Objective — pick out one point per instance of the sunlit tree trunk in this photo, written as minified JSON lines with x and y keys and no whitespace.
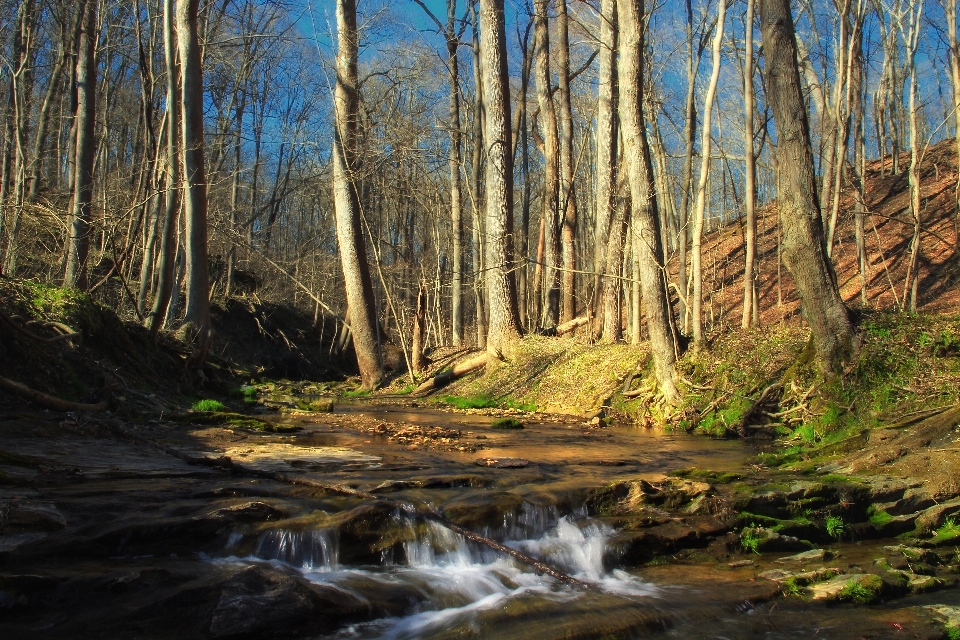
{"x":551,"y":167}
{"x":695,"y":262}
{"x":353,"y":253}
{"x":950,"y":9}
{"x":504,"y":327}
{"x":749,"y":318}
{"x":568,"y":197}
{"x":607,"y":136}
{"x":456,"y":199}
{"x":801,"y":223}
{"x":637,"y":163}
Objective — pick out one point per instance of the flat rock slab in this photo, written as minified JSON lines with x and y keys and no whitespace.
{"x":814,"y":555}
{"x":503,"y":463}
{"x":282,"y":457}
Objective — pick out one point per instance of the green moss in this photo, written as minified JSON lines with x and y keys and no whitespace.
{"x":356,"y":393}
{"x":716,"y":477}
{"x":470,"y":402}
{"x":506,"y":423}
{"x":866,"y":590}
{"x":878,"y":517}
{"x":208,"y":405}
{"x":949,"y":531}
{"x":17,"y":460}
{"x":233,"y":419}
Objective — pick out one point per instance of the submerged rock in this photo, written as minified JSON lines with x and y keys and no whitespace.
{"x":260,"y":603}
{"x":503,"y":463}
{"x":806,"y":556}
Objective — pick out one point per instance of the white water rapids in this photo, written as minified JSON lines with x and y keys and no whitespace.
{"x":455,"y":580}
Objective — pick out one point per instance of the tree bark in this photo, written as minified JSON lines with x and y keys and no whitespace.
{"x":168,"y":240}
{"x":85,"y":123}
{"x":636,"y":152}
{"x":950,"y":9}
{"x":353,"y":253}
{"x":197,"y":316}
{"x":456,"y":199}
{"x":504,"y":327}
{"x":607,"y":136}
{"x":801,"y":222}
{"x":749,"y":318}
{"x":698,"y":213}
{"x":551,"y":168}
{"x":568,"y":196}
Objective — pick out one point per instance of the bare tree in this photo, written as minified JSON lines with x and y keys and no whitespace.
{"x":803,"y":251}
{"x":353,"y":253}
{"x":79,"y":243}
{"x":568,"y":197}
{"x":636,"y":153}
{"x":504,"y":316}
{"x":607,"y":136}
{"x":751,"y":305}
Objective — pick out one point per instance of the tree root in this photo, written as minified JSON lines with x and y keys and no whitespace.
{"x":407,"y":509}
{"x":446,"y":377}
{"x":67,"y":332}
{"x":51,"y":402}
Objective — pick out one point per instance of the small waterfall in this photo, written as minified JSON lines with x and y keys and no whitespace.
{"x":309,"y":550}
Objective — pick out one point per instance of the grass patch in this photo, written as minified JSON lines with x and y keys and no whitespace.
{"x":233,"y":420}
{"x":470,"y":402}
{"x":247,"y":394}
{"x":356,"y":393}
{"x":506,"y":423}
{"x":864,"y":591}
{"x":949,"y":531}
{"x":835,"y":527}
{"x":406,"y":390}
{"x":750,"y":539}
{"x":208,"y":405}
{"x":878,"y":517}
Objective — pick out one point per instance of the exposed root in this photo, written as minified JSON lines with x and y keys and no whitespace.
{"x":51,"y":402}
{"x":66,"y":333}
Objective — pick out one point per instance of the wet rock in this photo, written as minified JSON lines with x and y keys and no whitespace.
{"x":860,"y":588}
{"x":634,"y":548}
{"x":914,"y":554}
{"x":364,"y":533}
{"x":936,"y":516}
{"x":764,"y":540}
{"x":630,"y":497}
{"x":489,"y":509}
{"x":260,"y":603}
{"x":21,"y":591}
{"x":807,"y":556}
{"x":22,"y":517}
{"x":250,"y":512}
{"x":503,"y":463}
{"x":915,"y":583}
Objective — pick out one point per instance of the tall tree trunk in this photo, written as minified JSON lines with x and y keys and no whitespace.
{"x":749,"y":319}
{"x":613,"y":280}
{"x":689,"y":138}
{"x":607,"y":136}
{"x":197,"y":316}
{"x":910,"y":33}
{"x":636,"y":153}
{"x":696,"y":257}
{"x":504,"y":327}
{"x":568,"y":196}
{"x":479,"y":287}
{"x":551,"y":167}
{"x":166,"y":280}
{"x":803,"y":253}
{"x":353,"y":253}
{"x":85,"y":123}
{"x":950,"y":9}
{"x":456,"y":199}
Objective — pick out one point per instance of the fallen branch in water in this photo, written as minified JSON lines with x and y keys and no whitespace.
{"x":51,"y":402}
{"x":406,"y":508}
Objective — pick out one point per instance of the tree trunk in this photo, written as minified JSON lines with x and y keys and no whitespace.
{"x":613,"y":281}
{"x":802,"y":225}
{"x":750,"y":192}
{"x":477,"y":231}
{"x":698,"y":213}
{"x":636,"y":153}
{"x":607,"y":136}
{"x":551,"y":168}
{"x":353,"y":253}
{"x":504,"y":327}
{"x":197,"y":316}
{"x":416,"y":344}
{"x":456,"y":213}
{"x":568,"y":198}
{"x":950,"y":9}
{"x":85,"y":123}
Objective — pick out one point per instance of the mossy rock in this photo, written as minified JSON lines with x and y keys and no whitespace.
{"x":506,"y":423}
{"x":235,"y":420}
{"x":860,"y":588}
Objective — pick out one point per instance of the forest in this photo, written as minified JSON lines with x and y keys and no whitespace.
{"x":479,"y":318}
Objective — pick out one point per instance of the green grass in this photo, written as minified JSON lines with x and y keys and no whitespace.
{"x":471,"y":402}
{"x":408,"y":389}
{"x":750,"y":539}
{"x":208,"y":405}
{"x":247,"y":394}
{"x":866,"y":591}
{"x":835,"y":527}
{"x":356,"y":393}
{"x":953,"y":633}
{"x":506,"y":423}
{"x":529,"y":407}
{"x":879,"y":517}
{"x":949,"y":531}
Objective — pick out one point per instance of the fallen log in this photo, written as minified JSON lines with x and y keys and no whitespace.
{"x":444,"y":378}
{"x":406,"y":508}
{"x":570,"y":325}
{"x":48,"y":401}
{"x":68,"y":333}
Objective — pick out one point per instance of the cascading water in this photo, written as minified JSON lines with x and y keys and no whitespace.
{"x":457,"y":580}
